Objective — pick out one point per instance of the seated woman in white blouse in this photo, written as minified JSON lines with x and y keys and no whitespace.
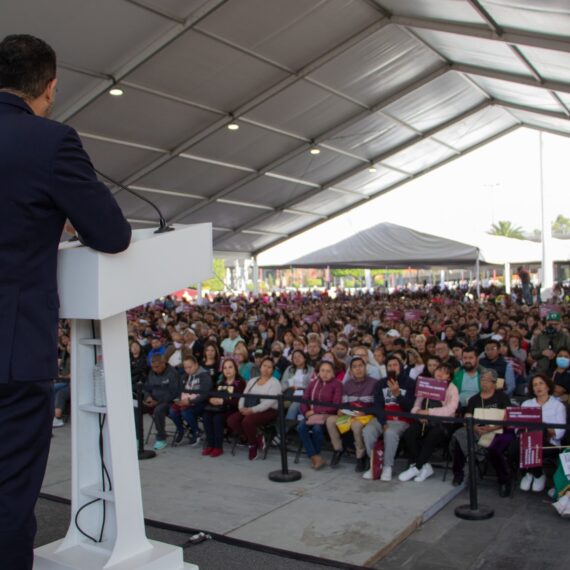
{"x":553,"y":411}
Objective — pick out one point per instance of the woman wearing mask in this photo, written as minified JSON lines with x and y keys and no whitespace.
{"x":324,"y":388}
{"x":561,"y":376}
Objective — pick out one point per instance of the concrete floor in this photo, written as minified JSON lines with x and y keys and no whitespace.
{"x":332,"y":514}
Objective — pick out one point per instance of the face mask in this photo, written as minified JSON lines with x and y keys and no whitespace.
{"x":143,"y":341}
{"x":177,"y":345}
{"x":550,"y":330}
{"x":562,"y":362}
{"x":275,"y":353}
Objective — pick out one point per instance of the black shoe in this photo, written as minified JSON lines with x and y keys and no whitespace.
{"x":194,"y":439}
{"x":336,"y":458}
{"x":360,"y":465}
{"x":457,"y":479}
{"x":504,"y":490}
{"x":178,"y":437}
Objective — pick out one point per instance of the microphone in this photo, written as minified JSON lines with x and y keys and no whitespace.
{"x":163,"y":226}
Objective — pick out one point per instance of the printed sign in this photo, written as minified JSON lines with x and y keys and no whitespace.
{"x":412,"y":315}
{"x":533,"y":415}
{"x":431,"y":388}
{"x":392,"y":315}
{"x":545,"y":309}
{"x":531,"y":449}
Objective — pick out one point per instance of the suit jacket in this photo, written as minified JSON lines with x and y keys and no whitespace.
{"x":45,"y":177}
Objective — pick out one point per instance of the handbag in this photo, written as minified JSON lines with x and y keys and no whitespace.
{"x":251,"y":401}
{"x":317,"y":419}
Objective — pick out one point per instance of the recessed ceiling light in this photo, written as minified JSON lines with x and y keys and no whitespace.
{"x":315,"y":150}
{"x":233,"y":126}
{"x":372,"y":169}
{"x":116,"y":92}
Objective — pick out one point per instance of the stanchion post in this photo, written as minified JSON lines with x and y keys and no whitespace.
{"x":283,"y":476}
{"x":473,"y":511}
{"x":142,"y":452}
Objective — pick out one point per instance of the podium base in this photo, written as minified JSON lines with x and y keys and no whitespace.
{"x":280,"y":477}
{"x":95,"y":557}
{"x":482,"y":513}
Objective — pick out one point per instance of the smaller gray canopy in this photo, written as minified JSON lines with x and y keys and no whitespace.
{"x":389,"y":245}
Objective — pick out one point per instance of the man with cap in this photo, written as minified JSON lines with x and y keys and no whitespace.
{"x":546,"y":345}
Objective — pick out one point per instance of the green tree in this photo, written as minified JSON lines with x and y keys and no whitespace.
{"x":216,"y":283}
{"x":506,"y":229}
{"x":561,"y":225}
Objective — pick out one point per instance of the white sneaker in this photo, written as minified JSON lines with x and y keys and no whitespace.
{"x":367,"y":474}
{"x":539,"y":484}
{"x":57,"y":422}
{"x":526,"y":482}
{"x":386,"y":474}
{"x":409,"y":473}
{"x":562,"y":506}
{"x":425,"y":472}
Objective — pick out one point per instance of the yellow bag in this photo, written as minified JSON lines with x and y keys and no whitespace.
{"x":344,"y":422}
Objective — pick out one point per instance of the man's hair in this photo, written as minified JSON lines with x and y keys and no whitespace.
{"x":27,"y":65}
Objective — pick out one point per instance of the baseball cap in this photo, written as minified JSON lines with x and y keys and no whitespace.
{"x":553,"y":317}
{"x":393,"y":333}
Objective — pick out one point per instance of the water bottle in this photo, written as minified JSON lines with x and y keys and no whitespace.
{"x":99,"y":396}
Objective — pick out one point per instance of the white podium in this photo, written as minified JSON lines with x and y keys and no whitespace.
{"x":95,"y":290}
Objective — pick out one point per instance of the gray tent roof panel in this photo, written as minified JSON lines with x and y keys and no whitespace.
{"x":318,"y":169}
{"x":284,"y":32}
{"x":389,"y":245}
{"x":371,"y":136}
{"x":191,"y":177}
{"x":267,"y":191}
{"x":405,"y":84}
{"x":304,"y":109}
{"x":117,"y":160}
{"x":325,"y":203}
{"x":380,"y":64}
{"x":450,"y":10}
{"x":207,"y":71}
{"x":166,"y":124}
{"x":252,"y":146}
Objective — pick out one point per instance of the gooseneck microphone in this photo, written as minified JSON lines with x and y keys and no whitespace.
{"x":163,"y":226}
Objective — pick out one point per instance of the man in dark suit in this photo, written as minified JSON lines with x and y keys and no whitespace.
{"x":45,"y":178}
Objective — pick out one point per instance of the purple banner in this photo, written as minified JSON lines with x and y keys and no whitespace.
{"x":531,"y":449}
{"x":545,"y":309}
{"x":431,"y":388}
{"x":412,"y":315}
{"x":524,"y":414}
{"x":392,"y":315}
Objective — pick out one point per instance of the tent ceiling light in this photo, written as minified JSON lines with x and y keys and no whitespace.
{"x":116,"y":92}
{"x":233,"y":126}
{"x":315,"y":150}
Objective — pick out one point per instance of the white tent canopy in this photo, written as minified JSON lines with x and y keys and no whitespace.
{"x":386,"y":90}
{"x":391,"y":245}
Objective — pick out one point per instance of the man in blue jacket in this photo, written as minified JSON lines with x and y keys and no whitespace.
{"x":394,"y":393}
{"x":45,"y":178}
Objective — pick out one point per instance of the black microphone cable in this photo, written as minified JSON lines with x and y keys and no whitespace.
{"x":163,"y":226}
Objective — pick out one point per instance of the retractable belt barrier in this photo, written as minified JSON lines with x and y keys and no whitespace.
{"x":472,"y":511}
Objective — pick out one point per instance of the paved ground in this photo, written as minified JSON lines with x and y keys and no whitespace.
{"x":332,"y":514}
{"x":525,"y":533}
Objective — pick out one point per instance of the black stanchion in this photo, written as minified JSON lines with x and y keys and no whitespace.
{"x":473,"y":511}
{"x":283,"y":476}
{"x":142,"y":452}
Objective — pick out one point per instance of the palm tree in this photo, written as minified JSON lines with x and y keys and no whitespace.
{"x":561,"y":225}
{"x":506,"y":229}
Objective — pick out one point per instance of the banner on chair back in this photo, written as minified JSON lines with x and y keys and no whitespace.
{"x":431,"y":388}
{"x":531,"y":449}
{"x":533,"y":415}
{"x":377,"y":459}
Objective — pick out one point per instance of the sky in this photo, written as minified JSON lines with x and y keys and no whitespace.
{"x":499,"y":181}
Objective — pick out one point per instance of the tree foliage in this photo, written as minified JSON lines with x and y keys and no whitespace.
{"x":506,"y":229}
{"x":561,"y":225}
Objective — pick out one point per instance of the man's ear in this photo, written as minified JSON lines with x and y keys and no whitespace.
{"x":51,"y":90}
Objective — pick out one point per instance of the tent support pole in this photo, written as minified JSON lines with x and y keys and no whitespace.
{"x":478,"y":276}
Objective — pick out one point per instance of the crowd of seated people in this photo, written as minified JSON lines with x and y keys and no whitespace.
{"x":356,"y":350}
